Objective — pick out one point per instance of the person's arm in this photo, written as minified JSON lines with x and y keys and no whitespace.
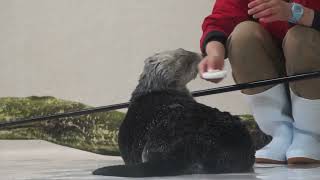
{"x":213,"y":60}
{"x":215,"y":48}
{"x":279,"y":10}
{"x":226,"y":14}
{"x":316,"y":20}
{"x":307,"y":17}
{"x":310,"y":18}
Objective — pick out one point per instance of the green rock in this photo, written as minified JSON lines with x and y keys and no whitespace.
{"x":260,"y":139}
{"x":96,"y":132}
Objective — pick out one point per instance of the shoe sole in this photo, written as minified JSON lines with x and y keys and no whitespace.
{"x":269,"y":161}
{"x":302,"y":160}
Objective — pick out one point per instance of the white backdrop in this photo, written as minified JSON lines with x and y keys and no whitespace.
{"x":92,"y":51}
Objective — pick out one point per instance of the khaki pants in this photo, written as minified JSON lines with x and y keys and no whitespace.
{"x":254,"y":55}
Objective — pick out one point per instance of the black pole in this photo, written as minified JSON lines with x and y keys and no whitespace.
{"x":255,"y":84}
{"x":63,"y":115}
{"x":206,"y":92}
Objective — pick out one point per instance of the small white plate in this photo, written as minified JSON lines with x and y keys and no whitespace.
{"x":215,"y":74}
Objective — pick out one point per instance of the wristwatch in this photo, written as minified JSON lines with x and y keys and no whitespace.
{"x":297,"y":12}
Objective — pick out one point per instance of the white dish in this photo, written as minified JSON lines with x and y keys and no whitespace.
{"x":215,"y":74}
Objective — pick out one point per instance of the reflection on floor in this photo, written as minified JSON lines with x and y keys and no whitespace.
{"x":38,"y":160}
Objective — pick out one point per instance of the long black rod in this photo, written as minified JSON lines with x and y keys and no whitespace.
{"x":255,"y":84}
{"x":206,"y":92}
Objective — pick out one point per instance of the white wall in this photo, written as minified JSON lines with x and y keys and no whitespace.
{"x":92,"y":51}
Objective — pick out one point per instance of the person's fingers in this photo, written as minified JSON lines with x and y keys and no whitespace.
{"x":211,"y":64}
{"x":208,"y":63}
{"x":215,"y":62}
{"x":256,"y":3}
{"x":260,"y":8}
{"x":264,"y":13}
{"x":220,"y":64}
{"x":202,"y":67}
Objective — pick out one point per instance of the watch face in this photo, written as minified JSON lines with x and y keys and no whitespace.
{"x":297,"y":9}
{"x":297,"y":12}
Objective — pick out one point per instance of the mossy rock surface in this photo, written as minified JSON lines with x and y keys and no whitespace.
{"x":96,"y":132}
{"x":259,"y":138}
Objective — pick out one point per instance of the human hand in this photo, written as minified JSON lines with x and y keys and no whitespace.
{"x":270,"y":10}
{"x":211,"y":63}
{"x":214,"y":59}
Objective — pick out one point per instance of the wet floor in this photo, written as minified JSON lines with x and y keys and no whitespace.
{"x":39,"y":160}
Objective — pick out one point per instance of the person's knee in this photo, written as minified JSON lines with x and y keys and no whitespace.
{"x":245,"y":33}
{"x":297,"y":39}
{"x":300,"y":47}
{"x":245,"y":38}
{"x":251,"y":46}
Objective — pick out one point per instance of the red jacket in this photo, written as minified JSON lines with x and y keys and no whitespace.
{"x":226,"y":14}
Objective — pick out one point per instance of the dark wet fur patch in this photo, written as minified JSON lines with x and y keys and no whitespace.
{"x":176,"y":135}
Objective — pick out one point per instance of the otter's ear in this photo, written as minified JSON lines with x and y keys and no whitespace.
{"x":150,"y":66}
{"x":150,"y":60}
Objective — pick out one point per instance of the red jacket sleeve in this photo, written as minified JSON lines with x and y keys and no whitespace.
{"x":226,"y":14}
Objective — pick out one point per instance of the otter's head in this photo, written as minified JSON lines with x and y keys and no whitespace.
{"x":169,"y":70}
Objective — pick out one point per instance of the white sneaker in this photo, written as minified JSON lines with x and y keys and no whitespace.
{"x":275,"y":151}
{"x":305,"y":146}
{"x":271,"y":110}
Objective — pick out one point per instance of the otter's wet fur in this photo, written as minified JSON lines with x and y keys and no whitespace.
{"x":166,"y":132}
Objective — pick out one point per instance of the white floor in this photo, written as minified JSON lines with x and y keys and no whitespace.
{"x":39,"y":160}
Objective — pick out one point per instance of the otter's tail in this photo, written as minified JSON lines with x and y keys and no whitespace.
{"x":147,"y":169}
